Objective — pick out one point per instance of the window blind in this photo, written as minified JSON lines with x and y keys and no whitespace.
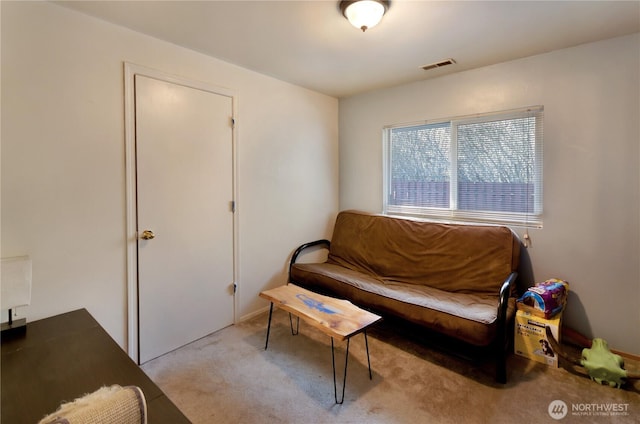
{"x":484,"y":168}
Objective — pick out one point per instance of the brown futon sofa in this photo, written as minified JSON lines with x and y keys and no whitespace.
{"x":458,"y":280}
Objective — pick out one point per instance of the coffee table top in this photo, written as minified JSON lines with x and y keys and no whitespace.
{"x":337,"y":318}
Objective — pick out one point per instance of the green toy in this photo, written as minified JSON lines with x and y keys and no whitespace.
{"x":602,"y":365}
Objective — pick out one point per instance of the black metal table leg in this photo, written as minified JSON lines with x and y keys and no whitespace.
{"x":344,"y":380}
{"x":269,"y":326}
{"x":366,"y":343}
{"x":297,"y":325}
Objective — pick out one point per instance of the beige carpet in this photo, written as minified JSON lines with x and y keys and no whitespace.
{"x":228,"y":377}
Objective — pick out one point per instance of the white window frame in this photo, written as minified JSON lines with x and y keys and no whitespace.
{"x":452,"y":213}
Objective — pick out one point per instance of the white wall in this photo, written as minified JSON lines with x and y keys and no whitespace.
{"x":63,"y":176}
{"x":591,"y":234}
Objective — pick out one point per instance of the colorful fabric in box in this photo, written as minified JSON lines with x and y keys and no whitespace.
{"x":545,"y":299}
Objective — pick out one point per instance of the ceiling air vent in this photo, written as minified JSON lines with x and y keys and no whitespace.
{"x":439,"y":64}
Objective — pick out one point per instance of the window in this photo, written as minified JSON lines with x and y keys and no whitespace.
{"x":485,"y":168}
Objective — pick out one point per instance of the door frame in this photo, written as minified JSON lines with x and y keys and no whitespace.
{"x":130,"y":71}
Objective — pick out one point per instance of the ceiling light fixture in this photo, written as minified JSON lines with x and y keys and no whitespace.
{"x":364,"y":14}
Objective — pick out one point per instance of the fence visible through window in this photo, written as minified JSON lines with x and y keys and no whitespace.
{"x":498,"y":197}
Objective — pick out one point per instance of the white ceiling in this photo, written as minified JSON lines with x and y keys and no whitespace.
{"x":310,"y":43}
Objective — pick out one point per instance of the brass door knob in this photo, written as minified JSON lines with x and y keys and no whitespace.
{"x":147,"y":235}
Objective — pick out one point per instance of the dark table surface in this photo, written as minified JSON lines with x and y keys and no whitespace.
{"x":64,"y":357}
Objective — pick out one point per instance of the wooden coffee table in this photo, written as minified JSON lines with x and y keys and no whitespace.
{"x":339,"y":319}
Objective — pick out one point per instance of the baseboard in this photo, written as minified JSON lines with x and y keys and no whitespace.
{"x":253,"y":314}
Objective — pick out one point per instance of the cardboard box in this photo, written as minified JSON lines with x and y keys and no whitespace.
{"x":530,"y":339}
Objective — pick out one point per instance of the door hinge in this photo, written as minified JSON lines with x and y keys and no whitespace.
{"x":232,"y":205}
{"x":233,"y":122}
{"x":235,"y":287}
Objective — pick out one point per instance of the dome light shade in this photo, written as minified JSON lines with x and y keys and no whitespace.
{"x":364,"y":14}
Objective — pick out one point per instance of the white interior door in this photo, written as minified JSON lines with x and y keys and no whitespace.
{"x":184,"y":162}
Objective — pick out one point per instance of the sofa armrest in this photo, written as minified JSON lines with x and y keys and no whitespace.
{"x":505,"y":294}
{"x":325,"y":243}
{"x":502,"y":336}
